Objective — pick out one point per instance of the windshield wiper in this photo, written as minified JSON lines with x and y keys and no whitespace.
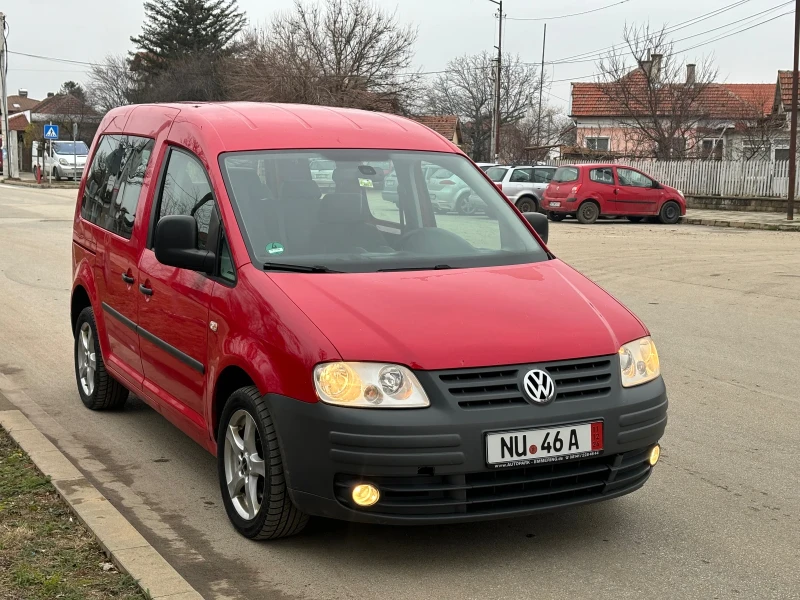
{"x":271,"y":266}
{"x":433,"y":268}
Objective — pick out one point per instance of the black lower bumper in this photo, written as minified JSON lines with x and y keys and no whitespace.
{"x":430,"y":464}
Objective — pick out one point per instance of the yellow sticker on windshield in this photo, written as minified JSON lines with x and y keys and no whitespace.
{"x":365,"y":183}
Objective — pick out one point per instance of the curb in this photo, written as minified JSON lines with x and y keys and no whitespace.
{"x":126,"y":547}
{"x":41,"y":186}
{"x":740,"y":224}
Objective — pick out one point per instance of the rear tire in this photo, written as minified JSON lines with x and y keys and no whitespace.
{"x":670,"y":213}
{"x":554,"y":216}
{"x":98,"y":390}
{"x":588,"y":212}
{"x":464,"y":206}
{"x":259,"y":507}
{"x":635,"y":219}
{"x":527,"y":204}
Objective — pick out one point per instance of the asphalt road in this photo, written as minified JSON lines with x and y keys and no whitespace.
{"x":719,"y":518}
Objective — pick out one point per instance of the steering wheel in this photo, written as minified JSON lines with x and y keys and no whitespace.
{"x":200,"y":203}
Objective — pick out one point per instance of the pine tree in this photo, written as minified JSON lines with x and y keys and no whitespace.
{"x":177,"y":29}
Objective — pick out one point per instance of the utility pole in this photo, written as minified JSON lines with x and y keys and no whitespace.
{"x":793,"y":133}
{"x":541,"y":88}
{"x":4,"y":103}
{"x":496,"y":118}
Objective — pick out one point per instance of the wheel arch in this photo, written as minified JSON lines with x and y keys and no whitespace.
{"x":529,"y":196}
{"x":79,"y":301}
{"x":230,"y":378}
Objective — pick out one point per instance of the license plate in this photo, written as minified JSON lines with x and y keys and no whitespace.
{"x":555,"y":204}
{"x":535,"y":446}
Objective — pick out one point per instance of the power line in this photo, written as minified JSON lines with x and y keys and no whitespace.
{"x":731,"y":24}
{"x":670,"y":29}
{"x":586,"y":12}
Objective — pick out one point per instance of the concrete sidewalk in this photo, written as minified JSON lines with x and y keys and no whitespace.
{"x":741,"y":219}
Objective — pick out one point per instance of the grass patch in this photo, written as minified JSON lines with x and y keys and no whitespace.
{"x":45,"y":552}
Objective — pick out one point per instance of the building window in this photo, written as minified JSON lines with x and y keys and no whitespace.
{"x":711,"y":150}
{"x":781,"y":154}
{"x":597,"y":143}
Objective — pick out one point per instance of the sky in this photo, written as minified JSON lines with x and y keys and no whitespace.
{"x":88,"y":30}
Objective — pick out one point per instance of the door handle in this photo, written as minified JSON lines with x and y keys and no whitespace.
{"x":127,"y":278}
{"x":145,"y":290}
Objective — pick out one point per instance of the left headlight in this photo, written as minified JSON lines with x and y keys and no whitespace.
{"x":63,"y":161}
{"x":368,"y":385}
{"x":638,"y":361}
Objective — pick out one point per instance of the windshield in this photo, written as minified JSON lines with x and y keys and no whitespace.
{"x":360,"y":223}
{"x":80,"y":148}
{"x":496,"y":173}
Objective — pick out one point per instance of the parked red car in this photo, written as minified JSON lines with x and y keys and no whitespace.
{"x":341,"y":355}
{"x":591,"y":191}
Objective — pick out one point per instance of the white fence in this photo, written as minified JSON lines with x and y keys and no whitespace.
{"x":717,"y":177}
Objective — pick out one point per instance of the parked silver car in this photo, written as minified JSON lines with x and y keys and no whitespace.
{"x":322,"y":173}
{"x":523,"y":185}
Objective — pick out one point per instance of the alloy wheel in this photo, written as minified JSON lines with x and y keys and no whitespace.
{"x":245,"y":471}
{"x":87,"y":359}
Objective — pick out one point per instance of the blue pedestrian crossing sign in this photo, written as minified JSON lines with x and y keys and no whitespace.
{"x":51,"y":132}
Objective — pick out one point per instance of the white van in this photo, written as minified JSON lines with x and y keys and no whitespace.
{"x":66,"y":159}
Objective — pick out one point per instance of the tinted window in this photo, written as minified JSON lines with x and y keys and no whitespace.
{"x":633,"y":178}
{"x":496,"y":173}
{"x":187,"y":191}
{"x":566,"y":174}
{"x":114,"y":182}
{"x":543,"y":175}
{"x":521,"y":175}
{"x":604,"y":175}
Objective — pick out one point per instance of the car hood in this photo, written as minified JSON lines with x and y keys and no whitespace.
{"x":463,"y":317}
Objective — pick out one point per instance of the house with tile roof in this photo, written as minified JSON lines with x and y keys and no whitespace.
{"x":447,"y":126}
{"x":722,"y":120}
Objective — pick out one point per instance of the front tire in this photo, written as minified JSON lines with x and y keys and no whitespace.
{"x":554,"y":216}
{"x":98,"y":390}
{"x":56,"y":174}
{"x":588,"y":213}
{"x":527,"y":204}
{"x":250,"y":470}
{"x":670,"y":213}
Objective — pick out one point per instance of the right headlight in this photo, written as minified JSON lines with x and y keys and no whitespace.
{"x":368,"y":385}
{"x":638,"y":361}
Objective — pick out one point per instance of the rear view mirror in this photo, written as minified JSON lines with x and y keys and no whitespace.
{"x":539,"y":223}
{"x":175,"y":245}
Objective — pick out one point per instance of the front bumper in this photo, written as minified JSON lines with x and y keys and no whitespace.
{"x":430,"y":464}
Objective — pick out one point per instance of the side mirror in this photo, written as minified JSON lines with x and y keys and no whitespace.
{"x":540,"y":224}
{"x":656,"y":185}
{"x":175,"y":245}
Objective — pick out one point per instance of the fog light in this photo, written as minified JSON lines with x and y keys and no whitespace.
{"x":655,"y":454}
{"x":365,"y":494}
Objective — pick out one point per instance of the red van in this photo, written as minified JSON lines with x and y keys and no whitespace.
{"x":590,"y":191}
{"x":344,"y":356}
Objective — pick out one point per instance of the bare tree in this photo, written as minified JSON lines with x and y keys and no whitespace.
{"x":340,"y":53}
{"x":526,"y":141}
{"x":758,"y":125}
{"x":466,"y":89}
{"x":110,"y":83}
{"x":660,"y":99}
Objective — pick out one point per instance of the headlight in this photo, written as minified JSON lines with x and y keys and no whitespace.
{"x":638,"y":362}
{"x":368,"y":385}
{"x":63,"y":161}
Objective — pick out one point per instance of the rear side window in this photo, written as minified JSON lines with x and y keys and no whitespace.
{"x":496,"y":174}
{"x":604,"y":175}
{"x":566,"y":174}
{"x":521,"y":175}
{"x":114,"y":182}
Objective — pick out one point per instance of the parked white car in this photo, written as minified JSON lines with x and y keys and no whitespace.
{"x":523,"y":185}
{"x":64,"y":160}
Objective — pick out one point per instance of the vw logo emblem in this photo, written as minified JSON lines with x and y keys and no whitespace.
{"x":539,"y":386}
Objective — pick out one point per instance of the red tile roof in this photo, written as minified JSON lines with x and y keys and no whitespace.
{"x":785,"y":83}
{"x":444,"y":125}
{"x":716,"y":101}
{"x":17,"y":122}
{"x":24,"y":103}
{"x":63,"y":104}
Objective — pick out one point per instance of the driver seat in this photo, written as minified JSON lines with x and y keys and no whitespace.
{"x":342,"y":227}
